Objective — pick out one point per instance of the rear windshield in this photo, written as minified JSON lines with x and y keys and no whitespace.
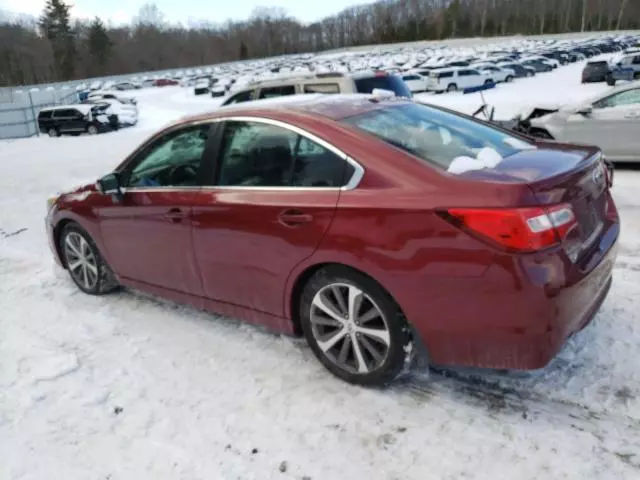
{"x":384,"y":82}
{"x":436,"y":136}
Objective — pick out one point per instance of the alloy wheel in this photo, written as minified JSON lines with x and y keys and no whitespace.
{"x":349,"y":328}
{"x":81,"y":260}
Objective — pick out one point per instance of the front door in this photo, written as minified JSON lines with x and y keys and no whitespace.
{"x":274,"y":198}
{"x":147,"y":234}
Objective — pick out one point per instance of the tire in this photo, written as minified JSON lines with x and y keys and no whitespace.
{"x":636,"y":76}
{"x":92,"y":275}
{"x":509,"y":79}
{"x":92,"y":130}
{"x":452,"y":87}
{"x":53,"y":132}
{"x":488,"y":82}
{"x":348,"y":350}
{"x":529,"y":74}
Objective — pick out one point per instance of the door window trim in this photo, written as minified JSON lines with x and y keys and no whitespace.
{"x":354,"y":181}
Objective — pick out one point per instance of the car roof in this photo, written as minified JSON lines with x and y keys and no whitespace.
{"x":83,"y":108}
{"x":329,"y":106}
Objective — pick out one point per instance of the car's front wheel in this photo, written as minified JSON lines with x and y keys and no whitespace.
{"x":92,"y":130}
{"x":53,"y":132}
{"x":354,"y":327}
{"x":84,"y":262}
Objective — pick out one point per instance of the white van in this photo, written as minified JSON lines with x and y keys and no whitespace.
{"x":457,"y":78}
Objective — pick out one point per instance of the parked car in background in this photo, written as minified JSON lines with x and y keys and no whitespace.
{"x":498,"y":74}
{"x":76,"y":119}
{"x":165,"y":82}
{"x":127,"y":113}
{"x":538,"y":65}
{"x":415,"y":82}
{"x":123,"y":86}
{"x":112,"y":96}
{"x":381,"y":251}
{"x":456,"y":78}
{"x":627,"y":67}
{"x":595,"y":71}
{"x":610,"y":120}
{"x":202,"y":85}
{"x":519,"y":70}
{"x":327,"y":83}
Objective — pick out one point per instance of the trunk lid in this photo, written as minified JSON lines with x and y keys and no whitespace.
{"x":560,"y":174}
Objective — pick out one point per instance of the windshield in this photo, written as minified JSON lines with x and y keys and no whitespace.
{"x":384,"y":82}
{"x":436,"y":136}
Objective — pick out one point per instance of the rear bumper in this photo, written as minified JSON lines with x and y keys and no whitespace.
{"x":517,"y":315}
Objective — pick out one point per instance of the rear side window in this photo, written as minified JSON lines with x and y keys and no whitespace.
{"x":259,"y":154}
{"x":45,"y":115}
{"x":322,"y":88}
{"x":273,"y":92}
{"x":435,"y":136}
{"x":384,"y":82}
{"x":442,"y":74}
{"x":411,"y":77}
{"x":66,"y":113}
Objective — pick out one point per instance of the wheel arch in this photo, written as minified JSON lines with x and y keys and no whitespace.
{"x":57,"y":234}
{"x":292,"y":303}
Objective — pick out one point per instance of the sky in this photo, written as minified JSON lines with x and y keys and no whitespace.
{"x":121,"y":11}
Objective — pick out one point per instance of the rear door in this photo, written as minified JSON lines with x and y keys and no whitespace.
{"x":270,"y":204}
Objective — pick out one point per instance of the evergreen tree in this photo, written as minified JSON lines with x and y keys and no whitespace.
{"x":55,"y":25}
{"x":244,"y":51}
{"x":99,"y":45}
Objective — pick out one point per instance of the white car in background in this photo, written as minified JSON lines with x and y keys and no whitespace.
{"x":610,"y":120}
{"x":457,"y":78}
{"x":126,"y":112}
{"x":415,"y":82}
{"x":499,"y":74}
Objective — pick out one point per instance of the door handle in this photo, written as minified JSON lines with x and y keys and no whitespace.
{"x":292,"y":218}
{"x":175,"y":215}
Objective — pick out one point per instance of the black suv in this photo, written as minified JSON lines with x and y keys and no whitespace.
{"x":76,"y":119}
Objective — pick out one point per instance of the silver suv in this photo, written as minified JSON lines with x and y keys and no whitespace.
{"x":331,"y":82}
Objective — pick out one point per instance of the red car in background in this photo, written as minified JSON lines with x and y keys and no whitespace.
{"x":340,"y":218}
{"x":165,"y":82}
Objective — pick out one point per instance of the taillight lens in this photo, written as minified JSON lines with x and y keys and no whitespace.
{"x":522,"y":229}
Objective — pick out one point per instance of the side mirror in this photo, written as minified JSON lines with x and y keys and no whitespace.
{"x":584,"y":111}
{"x":110,"y":185}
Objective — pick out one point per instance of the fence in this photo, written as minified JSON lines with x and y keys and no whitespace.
{"x":19,"y":112}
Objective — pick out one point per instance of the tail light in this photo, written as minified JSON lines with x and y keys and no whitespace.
{"x":522,"y":229}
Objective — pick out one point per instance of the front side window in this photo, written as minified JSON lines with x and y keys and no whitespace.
{"x":256,"y":154}
{"x":435,"y":136}
{"x":630,"y":97}
{"x":172,"y":161}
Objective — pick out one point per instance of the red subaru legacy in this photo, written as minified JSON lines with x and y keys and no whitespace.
{"x":367,"y":225}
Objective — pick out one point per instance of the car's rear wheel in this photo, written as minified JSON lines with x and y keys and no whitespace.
{"x":354,"y":327}
{"x":452,"y":87}
{"x":529,"y":74}
{"x":53,"y":132}
{"x":92,"y":130}
{"x":509,"y":79}
{"x":84,"y":262}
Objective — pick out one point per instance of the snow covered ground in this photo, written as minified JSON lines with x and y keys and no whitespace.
{"x":128,"y":387}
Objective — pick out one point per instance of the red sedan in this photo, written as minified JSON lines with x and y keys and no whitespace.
{"x":367,"y":225}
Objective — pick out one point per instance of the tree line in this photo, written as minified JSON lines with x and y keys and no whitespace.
{"x":57,"y":47}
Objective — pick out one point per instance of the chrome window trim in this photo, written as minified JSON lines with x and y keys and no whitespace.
{"x":353,"y":182}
